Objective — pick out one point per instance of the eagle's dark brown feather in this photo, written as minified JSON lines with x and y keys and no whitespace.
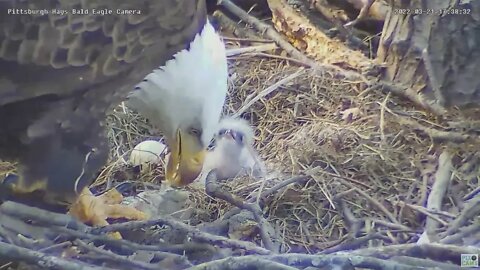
{"x":60,"y":74}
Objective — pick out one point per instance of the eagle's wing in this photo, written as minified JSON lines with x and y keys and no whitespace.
{"x":62,"y":69}
{"x":65,"y":55}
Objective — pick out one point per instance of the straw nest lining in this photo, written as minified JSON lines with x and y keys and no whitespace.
{"x":349,"y":142}
{"x":363,"y":167}
{"x":343,"y":137}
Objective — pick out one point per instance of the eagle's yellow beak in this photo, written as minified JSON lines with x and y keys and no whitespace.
{"x":186,"y":159}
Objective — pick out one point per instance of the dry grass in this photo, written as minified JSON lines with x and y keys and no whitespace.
{"x":349,"y":141}
{"x":368,"y":162}
{"x":345,"y":138}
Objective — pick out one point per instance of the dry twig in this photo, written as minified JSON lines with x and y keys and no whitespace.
{"x":363,"y":13}
{"x":267,"y":91}
{"x":373,"y":201}
{"x":430,"y":213}
{"x":115,"y":258}
{"x":471,"y":209}
{"x":416,"y":98}
{"x":464,"y":233}
{"x":437,"y":252}
{"x":435,"y":134}
{"x":269,"y":31}
{"x":267,"y":232}
{"x":272,"y":34}
{"x":239,"y":263}
{"x":191,"y":231}
{"x":289,"y":261}
{"x":251,"y":49}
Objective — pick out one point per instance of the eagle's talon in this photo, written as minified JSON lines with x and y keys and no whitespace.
{"x":96,"y":210}
{"x":54,"y":115}
{"x":111,"y":196}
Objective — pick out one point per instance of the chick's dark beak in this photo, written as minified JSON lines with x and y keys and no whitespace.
{"x":232,"y":135}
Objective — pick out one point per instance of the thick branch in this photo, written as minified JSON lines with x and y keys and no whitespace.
{"x":15,"y":253}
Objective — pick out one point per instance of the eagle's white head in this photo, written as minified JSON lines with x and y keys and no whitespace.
{"x":185,"y":99}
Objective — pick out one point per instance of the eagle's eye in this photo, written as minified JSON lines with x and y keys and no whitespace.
{"x":195,"y":132}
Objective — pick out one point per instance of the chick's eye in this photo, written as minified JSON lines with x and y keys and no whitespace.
{"x":195,"y":132}
{"x":238,"y":136}
{"x":222,"y":131}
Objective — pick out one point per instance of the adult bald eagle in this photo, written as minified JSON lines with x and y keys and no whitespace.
{"x":62,"y":70}
{"x":185,"y":99}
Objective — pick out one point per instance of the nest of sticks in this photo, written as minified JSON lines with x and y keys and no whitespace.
{"x":358,"y":178}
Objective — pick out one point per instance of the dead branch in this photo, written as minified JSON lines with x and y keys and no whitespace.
{"x":239,"y":263}
{"x":363,"y":13}
{"x":467,"y":232}
{"x":471,"y":194}
{"x":416,"y":98}
{"x":374,"y":202}
{"x":471,"y":209}
{"x":41,"y":216}
{"x":97,"y":234}
{"x":115,"y":258}
{"x":349,"y":179}
{"x":228,"y":25}
{"x":249,"y":40}
{"x":427,"y":212}
{"x":189,"y":247}
{"x":17,"y":226}
{"x":352,"y":224}
{"x":439,"y":189}
{"x":437,"y":252}
{"x":168,"y":251}
{"x":191,"y":231}
{"x":272,"y":34}
{"x":274,"y":56}
{"x":354,"y":243}
{"x":267,"y":232}
{"x":267,"y":30}
{"x":435,"y":134}
{"x":19,"y":254}
{"x":346,"y":34}
{"x":279,"y":186}
{"x":389,"y":225}
{"x":267,"y":91}
{"x":112,"y":243}
{"x":426,"y":264}
{"x":377,"y":10}
{"x":431,"y":75}
{"x":305,"y":260}
{"x":252,"y":49}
